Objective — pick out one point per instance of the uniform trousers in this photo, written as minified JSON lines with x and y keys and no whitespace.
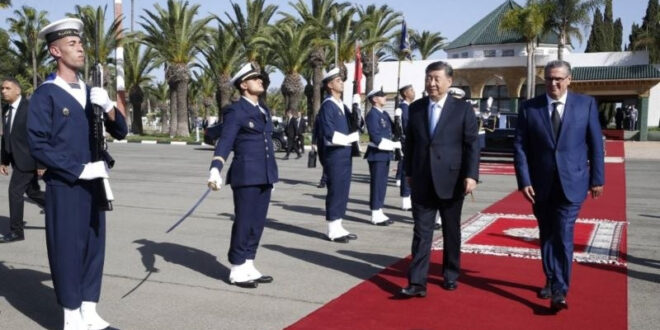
{"x":22,"y":183}
{"x":424,"y":215}
{"x":338,"y":171}
{"x":378,"y":171}
{"x":250,"y":209}
{"x":556,"y":218}
{"x":75,"y":237}
{"x":404,"y":188}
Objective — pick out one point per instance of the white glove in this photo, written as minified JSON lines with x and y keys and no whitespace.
{"x":99,"y":96}
{"x":215,"y":180}
{"x":95,"y":170}
{"x":398,"y":112}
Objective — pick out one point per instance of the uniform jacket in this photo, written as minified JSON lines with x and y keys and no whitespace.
{"x":332,"y":119}
{"x":405,"y":114}
{"x":577,"y":156}
{"x":18,"y":138}
{"x":379,"y":125}
{"x":60,"y":132}
{"x":248,"y":133}
{"x":444,"y":160}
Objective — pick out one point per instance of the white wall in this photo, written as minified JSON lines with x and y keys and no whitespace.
{"x":654,"y":106}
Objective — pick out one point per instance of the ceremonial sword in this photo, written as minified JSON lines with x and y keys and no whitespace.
{"x":192,"y":209}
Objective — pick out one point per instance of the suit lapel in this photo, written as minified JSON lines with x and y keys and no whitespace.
{"x":425,"y":118}
{"x":543,"y":112}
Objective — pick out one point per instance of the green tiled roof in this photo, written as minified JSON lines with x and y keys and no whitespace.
{"x":590,"y":73}
{"x":487,"y":31}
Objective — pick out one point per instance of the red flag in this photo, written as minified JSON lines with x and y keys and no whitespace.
{"x":357,"y":86}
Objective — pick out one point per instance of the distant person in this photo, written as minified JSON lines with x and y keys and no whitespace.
{"x":16,"y":152}
{"x":633,"y":118}
{"x":442,"y":167}
{"x":407,"y":94}
{"x":291,"y":130}
{"x":559,"y":159}
{"x":618,"y":118}
{"x":300,"y":132}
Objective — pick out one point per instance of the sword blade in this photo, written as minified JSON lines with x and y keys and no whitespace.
{"x":192,"y":209}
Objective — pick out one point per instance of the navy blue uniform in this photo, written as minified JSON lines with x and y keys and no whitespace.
{"x":404,"y":189}
{"x":247,"y":130}
{"x":379,"y":125}
{"x":59,"y":134}
{"x":317,"y":140}
{"x":338,"y":164}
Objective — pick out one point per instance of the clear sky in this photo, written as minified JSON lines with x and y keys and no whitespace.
{"x":449,"y":17}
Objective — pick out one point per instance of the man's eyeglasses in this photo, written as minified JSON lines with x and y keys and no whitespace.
{"x":557,"y":79}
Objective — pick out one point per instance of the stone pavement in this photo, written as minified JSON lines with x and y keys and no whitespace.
{"x":154,"y":280}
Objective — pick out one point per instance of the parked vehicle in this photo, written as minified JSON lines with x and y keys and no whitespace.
{"x":500,"y":132}
{"x":212,"y":134}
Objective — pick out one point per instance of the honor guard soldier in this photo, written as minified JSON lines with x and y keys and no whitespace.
{"x":407,"y":94}
{"x":59,"y":133}
{"x":337,"y":141}
{"x":379,"y":154}
{"x":247,"y":131}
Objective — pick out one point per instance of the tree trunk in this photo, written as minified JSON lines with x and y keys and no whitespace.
{"x":34,"y":69}
{"x":182,"y":128}
{"x":561,"y":45}
{"x":317,"y":61}
{"x":136,"y":96}
{"x":368,"y":71}
{"x":164,"y":118}
{"x":292,"y":90}
{"x":223,"y":94}
{"x":172,"y":111}
{"x":178,"y":76}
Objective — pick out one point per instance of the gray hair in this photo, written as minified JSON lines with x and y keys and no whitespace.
{"x":557,"y":64}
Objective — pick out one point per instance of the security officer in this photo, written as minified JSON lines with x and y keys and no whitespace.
{"x":59,"y":124}
{"x":407,"y":94}
{"x":247,"y":130}
{"x":379,"y":153}
{"x":336,"y":138}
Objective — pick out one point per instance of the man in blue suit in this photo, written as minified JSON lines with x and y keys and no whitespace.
{"x":442,"y":166}
{"x":247,"y":130}
{"x":337,"y":139}
{"x":379,"y":154}
{"x":60,"y":119}
{"x":558,"y":159}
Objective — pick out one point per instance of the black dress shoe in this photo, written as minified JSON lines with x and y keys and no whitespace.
{"x":437,"y":226}
{"x":264,"y":279}
{"x":247,"y":284}
{"x":546,"y":292}
{"x":351,"y":236}
{"x":321,"y":185}
{"x":383,"y":223}
{"x":449,"y":285}
{"x":285,"y":157}
{"x":11,"y":237}
{"x":340,"y":239}
{"x":558,"y":302}
{"x":413,"y":291}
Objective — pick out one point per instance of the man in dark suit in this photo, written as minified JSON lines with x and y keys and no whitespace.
{"x":442,"y":166}
{"x":16,"y":151}
{"x":301,"y":127}
{"x":559,"y":158}
{"x":247,"y":131}
{"x":291,"y":131}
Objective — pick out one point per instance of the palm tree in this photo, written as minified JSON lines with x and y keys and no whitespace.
{"x":26,"y":26}
{"x":567,"y":17}
{"x":222,"y":54}
{"x":530,"y":23}
{"x":378,"y":24}
{"x":247,"y":27}
{"x":99,"y":42}
{"x":427,"y":43}
{"x":160,"y":93}
{"x":346,"y":32}
{"x":138,"y":64}
{"x":320,"y":18}
{"x":289,"y":40}
{"x":175,"y":35}
{"x":5,"y":4}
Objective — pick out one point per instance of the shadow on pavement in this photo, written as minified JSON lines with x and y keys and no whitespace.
{"x":24,"y":289}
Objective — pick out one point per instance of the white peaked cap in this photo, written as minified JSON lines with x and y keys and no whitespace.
{"x":59,"y":29}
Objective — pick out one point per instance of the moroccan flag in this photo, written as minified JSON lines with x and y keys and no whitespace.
{"x":357,"y":86}
{"x":404,"y":44}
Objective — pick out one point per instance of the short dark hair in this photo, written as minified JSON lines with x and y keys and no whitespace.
{"x":557,"y":64}
{"x":13,"y":81}
{"x":404,"y":89}
{"x":440,"y":66}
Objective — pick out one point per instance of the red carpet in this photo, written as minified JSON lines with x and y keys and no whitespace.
{"x":496,"y":168}
{"x":499,"y":292}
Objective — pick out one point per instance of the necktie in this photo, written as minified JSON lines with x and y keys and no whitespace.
{"x":434,"y":116}
{"x":556,"y":119}
{"x":7,"y":128}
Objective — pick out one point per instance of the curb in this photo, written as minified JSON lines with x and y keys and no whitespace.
{"x":178,"y":143}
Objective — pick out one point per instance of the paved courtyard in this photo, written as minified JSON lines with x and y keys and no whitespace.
{"x":154,"y":280}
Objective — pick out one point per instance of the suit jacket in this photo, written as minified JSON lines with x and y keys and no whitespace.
{"x":379,"y":125}
{"x":20,"y":155}
{"x":441,"y":162}
{"x":249,"y":133}
{"x":291,"y":127}
{"x":577,"y":155}
{"x":59,"y":132}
